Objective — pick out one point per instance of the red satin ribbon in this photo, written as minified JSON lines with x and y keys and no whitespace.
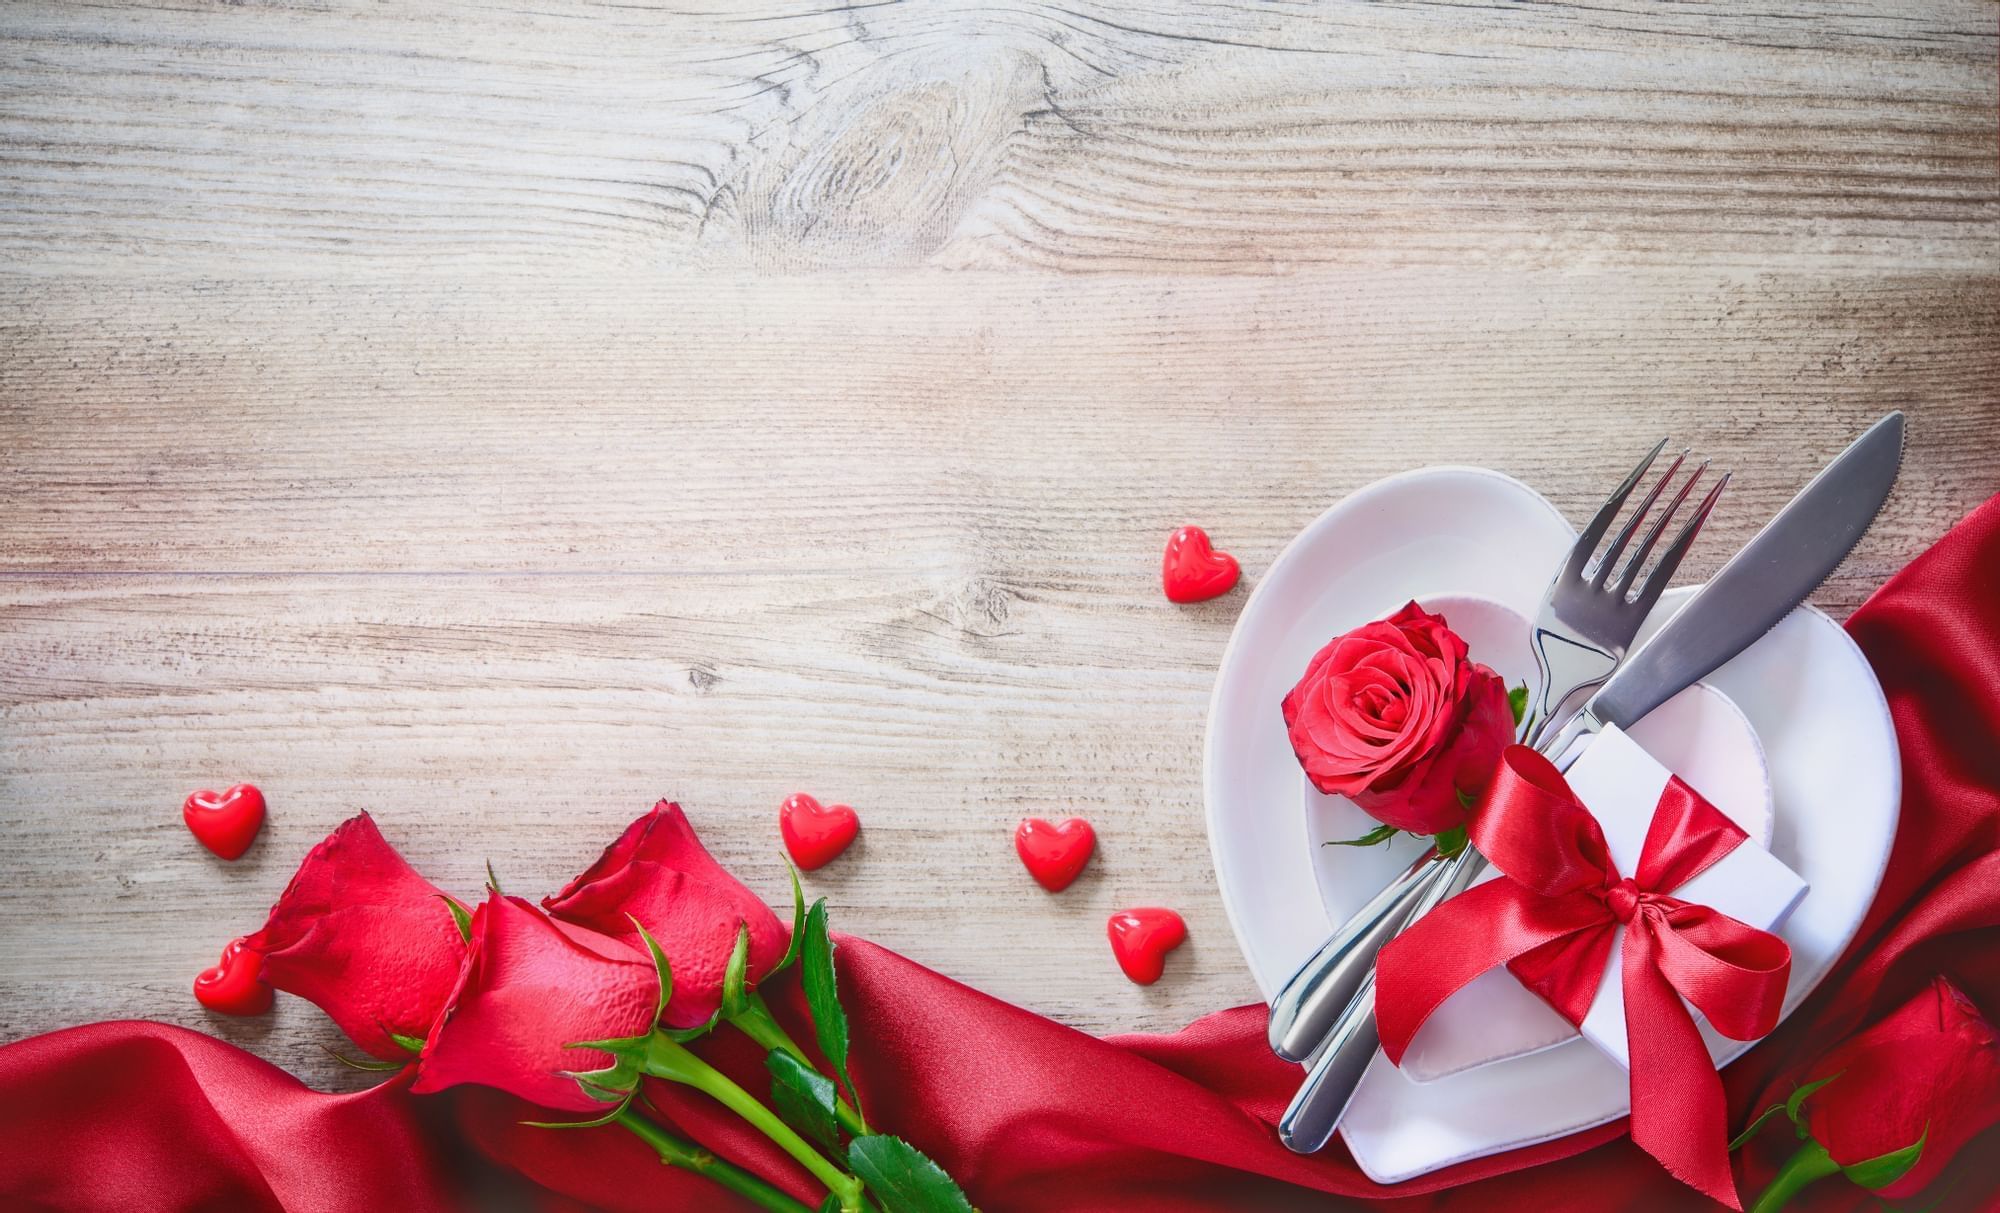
{"x":1552,"y":919}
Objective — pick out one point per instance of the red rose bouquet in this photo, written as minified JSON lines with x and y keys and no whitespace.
{"x":575,"y":1006}
{"x":1395,"y":716}
{"x":1888,"y":1108}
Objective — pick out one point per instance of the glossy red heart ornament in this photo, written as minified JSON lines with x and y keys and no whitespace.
{"x":1141,"y":939}
{"x":1054,"y":855}
{"x":235,"y":986}
{"x":815,"y":833}
{"x":1194,"y":571}
{"x":225,"y":822}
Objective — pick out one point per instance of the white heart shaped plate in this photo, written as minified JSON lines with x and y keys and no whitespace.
{"x":1805,"y":688}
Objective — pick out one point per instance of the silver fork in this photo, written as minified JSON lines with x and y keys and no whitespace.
{"x":1587,"y":618}
{"x":1324,"y":1015}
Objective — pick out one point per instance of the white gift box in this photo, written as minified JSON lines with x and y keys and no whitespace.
{"x":1494,"y":1017}
{"x":1621,"y":784}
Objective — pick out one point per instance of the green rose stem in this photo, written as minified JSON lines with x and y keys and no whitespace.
{"x":754,"y":1019}
{"x":677,"y":1153}
{"x":667,"y":1059}
{"x":1808,"y":1164}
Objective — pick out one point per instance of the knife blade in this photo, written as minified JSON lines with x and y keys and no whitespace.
{"x":1764,"y":582}
{"x":1776,"y":571}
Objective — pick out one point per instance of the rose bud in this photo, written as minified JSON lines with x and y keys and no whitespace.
{"x":530,"y":989}
{"x":360,"y":934}
{"x":659,"y":873}
{"x":1889,"y":1107}
{"x":1929,"y":1071}
{"x":1394,"y":716}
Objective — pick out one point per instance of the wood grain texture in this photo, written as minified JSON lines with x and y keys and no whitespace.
{"x":500,"y":420}
{"x":1122,"y":135}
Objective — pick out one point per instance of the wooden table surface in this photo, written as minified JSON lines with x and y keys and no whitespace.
{"x":501,"y":418}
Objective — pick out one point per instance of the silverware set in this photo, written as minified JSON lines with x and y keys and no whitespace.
{"x":1323,"y":1016}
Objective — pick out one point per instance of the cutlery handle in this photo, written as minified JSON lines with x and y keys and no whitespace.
{"x":1312,"y":999}
{"x":1336,"y":1071}
{"x":1315,"y":1112}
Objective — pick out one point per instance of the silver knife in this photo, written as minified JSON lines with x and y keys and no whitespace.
{"x":1776,"y":571}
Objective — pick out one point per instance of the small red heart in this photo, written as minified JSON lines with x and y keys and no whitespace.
{"x":1054,"y":855}
{"x":1141,"y":939}
{"x":235,"y":986}
{"x":1194,"y":571}
{"x":815,"y":833}
{"x":225,"y":822}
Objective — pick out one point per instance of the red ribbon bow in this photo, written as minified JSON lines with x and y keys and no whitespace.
{"x":1552,"y":919}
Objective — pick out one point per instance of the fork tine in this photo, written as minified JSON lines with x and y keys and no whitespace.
{"x":1609,"y":560}
{"x":1656,"y":583}
{"x":1586,"y":543}
{"x":1631,"y":572}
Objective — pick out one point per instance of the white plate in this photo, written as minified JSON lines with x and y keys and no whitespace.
{"x":1805,"y":688}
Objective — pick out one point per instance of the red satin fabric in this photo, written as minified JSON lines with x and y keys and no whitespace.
{"x":1553,"y":918}
{"x":1036,"y":1116}
{"x":132,"y":1115}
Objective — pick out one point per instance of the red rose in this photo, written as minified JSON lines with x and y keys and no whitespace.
{"x":530,"y":988}
{"x":659,"y":873}
{"x":1394,"y":716}
{"x":360,"y":934}
{"x":1931,"y":1067}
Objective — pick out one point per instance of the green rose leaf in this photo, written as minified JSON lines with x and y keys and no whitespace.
{"x":683,"y":1035}
{"x":623,"y":1101}
{"x":459,"y":915}
{"x":831,"y":1204}
{"x":616,"y":1082}
{"x":1791,"y":1108}
{"x":1517,"y":703}
{"x":804,"y":1098}
{"x":1450,"y":842}
{"x":1762,"y":1117}
{"x":661,"y":969}
{"x":798,"y":922}
{"x":901,"y":1179}
{"x":408,"y":1044}
{"x":1885,"y":1169}
{"x":1794,"y":1105}
{"x":736,"y":972}
{"x":371,"y":1064}
{"x":823,"y":994}
{"x":1374,"y":837}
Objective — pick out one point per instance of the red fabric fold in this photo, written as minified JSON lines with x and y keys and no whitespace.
{"x":135,"y":1115}
{"x":1036,"y":1116}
